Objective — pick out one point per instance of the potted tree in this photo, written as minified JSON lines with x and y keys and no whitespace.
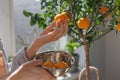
{"x":90,"y":20}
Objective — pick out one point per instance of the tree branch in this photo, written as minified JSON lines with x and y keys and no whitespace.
{"x":105,"y":32}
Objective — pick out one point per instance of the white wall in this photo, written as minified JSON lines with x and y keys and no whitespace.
{"x":112,"y":56}
{"x":21,"y":23}
{"x":6,"y":26}
{"x":97,"y":56}
{"x":105,"y":55}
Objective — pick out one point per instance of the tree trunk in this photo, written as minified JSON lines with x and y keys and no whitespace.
{"x":86,"y":48}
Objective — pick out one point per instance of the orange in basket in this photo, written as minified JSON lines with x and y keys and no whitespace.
{"x":61,"y":64}
{"x":49,"y":64}
{"x":57,"y":65}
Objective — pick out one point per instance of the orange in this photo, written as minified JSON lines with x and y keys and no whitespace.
{"x":49,"y":64}
{"x":118,"y":20}
{"x":63,"y":16}
{"x":61,"y":64}
{"x":83,"y":23}
{"x":118,"y":27}
{"x":57,"y":65}
{"x":108,"y":16}
{"x":104,"y":9}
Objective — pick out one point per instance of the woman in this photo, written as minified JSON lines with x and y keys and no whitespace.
{"x":52,"y":33}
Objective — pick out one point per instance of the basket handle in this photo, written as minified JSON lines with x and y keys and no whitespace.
{"x":83,"y":71}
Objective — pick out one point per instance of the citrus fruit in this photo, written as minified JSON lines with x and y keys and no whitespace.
{"x":118,"y":27}
{"x":83,"y":23}
{"x":104,"y":9}
{"x":61,"y":64}
{"x":63,"y":16}
{"x":108,"y":16}
{"x":49,"y":64}
{"x":118,"y":20}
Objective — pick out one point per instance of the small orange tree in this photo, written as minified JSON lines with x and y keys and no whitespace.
{"x":90,"y":19}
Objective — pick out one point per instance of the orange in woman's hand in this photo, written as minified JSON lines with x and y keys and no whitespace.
{"x":49,"y":64}
{"x":63,"y":16}
{"x":83,"y":23}
{"x":61,"y":64}
{"x":118,"y":27}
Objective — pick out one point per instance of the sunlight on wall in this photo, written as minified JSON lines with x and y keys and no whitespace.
{"x":6,"y":26}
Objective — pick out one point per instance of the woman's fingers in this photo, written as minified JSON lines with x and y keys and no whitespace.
{"x":55,"y":31}
{"x":66,"y":26}
{"x":63,"y":28}
{"x":60,"y":34}
{"x":49,"y":28}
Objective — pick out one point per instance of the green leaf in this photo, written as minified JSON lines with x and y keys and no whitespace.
{"x":72,"y":45}
{"x":41,"y":23}
{"x":97,"y":22}
{"x":42,"y":7}
{"x":32,"y":21}
{"x":26,"y":13}
{"x":69,"y":1}
{"x":70,"y":49}
{"x":100,"y":33}
{"x":36,"y":16}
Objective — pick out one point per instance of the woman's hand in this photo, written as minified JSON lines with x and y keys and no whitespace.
{"x":52,"y":33}
{"x":31,"y":70}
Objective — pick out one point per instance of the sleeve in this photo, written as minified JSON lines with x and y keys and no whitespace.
{"x":19,"y":59}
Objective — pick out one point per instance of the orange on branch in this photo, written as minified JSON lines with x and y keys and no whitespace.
{"x":61,"y":64}
{"x":83,"y":23}
{"x":49,"y":64}
{"x":118,"y":20}
{"x":104,"y":9}
{"x":63,"y":16}
{"x":118,"y":27}
{"x":108,"y":16}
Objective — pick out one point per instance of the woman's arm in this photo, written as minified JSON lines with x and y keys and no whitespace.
{"x":52,"y":33}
